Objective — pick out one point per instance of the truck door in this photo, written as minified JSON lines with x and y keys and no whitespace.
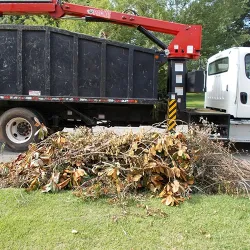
{"x":220,"y":81}
{"x":243,"y":93}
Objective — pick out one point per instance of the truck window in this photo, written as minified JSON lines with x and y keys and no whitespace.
{"x":247,"y":65}
{"x":218,"y":66}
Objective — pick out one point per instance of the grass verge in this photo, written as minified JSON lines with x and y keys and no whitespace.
{"x":46,"y":221}
{"x":195,"y":100}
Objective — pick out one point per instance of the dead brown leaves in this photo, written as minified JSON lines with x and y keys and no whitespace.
{"x":117,"y":166}
{"x":105,"y":164}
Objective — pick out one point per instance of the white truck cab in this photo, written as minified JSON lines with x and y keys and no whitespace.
{"x":228,"y":89}
{"x":228,"y":82}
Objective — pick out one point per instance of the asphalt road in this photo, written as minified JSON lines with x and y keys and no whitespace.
{"x":243,"y":151}
{"x":243,"y":148}
{"x":6,"y":155}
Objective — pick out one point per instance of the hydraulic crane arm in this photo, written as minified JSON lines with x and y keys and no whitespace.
{"x":186,"y":43}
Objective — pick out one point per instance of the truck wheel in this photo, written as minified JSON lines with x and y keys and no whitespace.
{"x":18,"y":128}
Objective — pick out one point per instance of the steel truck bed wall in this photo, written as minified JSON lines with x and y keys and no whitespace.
{"x":45,"y":61}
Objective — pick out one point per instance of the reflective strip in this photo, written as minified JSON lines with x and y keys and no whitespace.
{"x":171,"y":117}
{"x":172,"y":107}
{"x":171,"y":102}
{"x":171,"y":126}
{"x":74,"y":99}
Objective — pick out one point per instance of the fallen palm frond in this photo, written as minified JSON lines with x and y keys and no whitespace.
{"x":104,"y":163}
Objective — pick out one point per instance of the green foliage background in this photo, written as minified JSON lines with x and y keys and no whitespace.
{"x":222,"y":22}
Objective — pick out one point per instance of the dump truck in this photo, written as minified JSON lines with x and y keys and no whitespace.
{"x":65,"y":79}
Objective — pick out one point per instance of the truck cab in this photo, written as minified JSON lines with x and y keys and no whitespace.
{"x":227,"y":95}
{"x":228,"y":90}
{"x":228,"y":82}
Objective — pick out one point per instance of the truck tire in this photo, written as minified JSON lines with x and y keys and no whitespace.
{"x":18,"y":128}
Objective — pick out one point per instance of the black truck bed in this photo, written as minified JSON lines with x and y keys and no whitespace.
{"x":57,"y":65}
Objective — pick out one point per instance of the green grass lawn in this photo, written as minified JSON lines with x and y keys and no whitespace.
{"x":45,"y":221}
{"x":195,"y":100}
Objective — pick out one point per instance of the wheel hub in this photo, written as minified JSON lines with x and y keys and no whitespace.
{"x":19,"y":130}
{"x":23,"y":128}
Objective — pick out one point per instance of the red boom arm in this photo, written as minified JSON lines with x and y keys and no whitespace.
{"x":186,"y":43}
